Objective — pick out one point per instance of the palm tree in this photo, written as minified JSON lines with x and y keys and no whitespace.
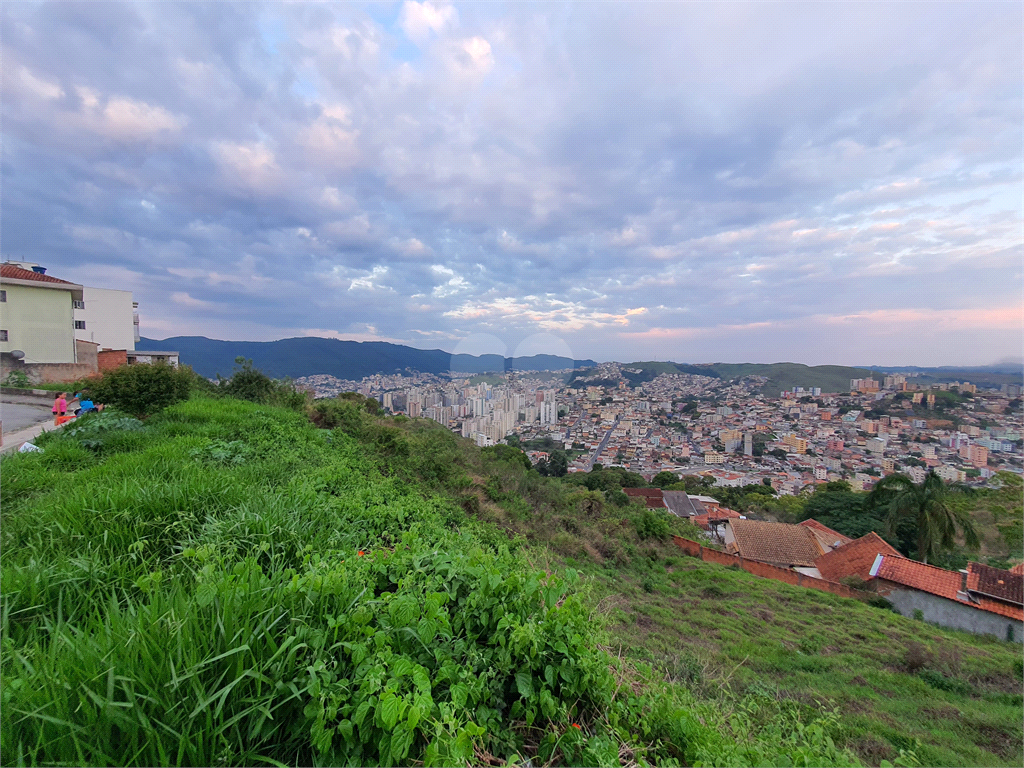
{"x":928,"y":505}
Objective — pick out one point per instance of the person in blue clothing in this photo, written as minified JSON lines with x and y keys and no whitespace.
{"x":85,"y":405}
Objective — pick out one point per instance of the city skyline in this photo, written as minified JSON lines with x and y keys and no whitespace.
{"x":718,"y":182}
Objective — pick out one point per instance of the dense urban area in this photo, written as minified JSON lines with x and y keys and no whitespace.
{"x":727,"y":429}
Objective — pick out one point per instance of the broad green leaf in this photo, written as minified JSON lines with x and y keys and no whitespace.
{"x":388,"y":710}
{"x":361,"y":712}
{"x":427,"y":631}
{"x":524,"y":683}
{"x":401,"y":740}
{"x":421,"y":680}
{"x":401,"y":667}
{"x":459,"y":694}
{"x":550,"y":675}
{"x":345,"y":729}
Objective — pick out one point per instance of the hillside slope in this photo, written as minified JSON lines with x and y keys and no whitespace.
{"x":227,"y":584}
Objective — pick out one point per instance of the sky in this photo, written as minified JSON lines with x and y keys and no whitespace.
{"x":821,"y":183}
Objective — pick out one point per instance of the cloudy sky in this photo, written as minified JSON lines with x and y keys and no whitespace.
{"x":823,"y":182}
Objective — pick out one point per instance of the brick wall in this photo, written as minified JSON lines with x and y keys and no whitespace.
{"x":109,"y":359}
{"x":764,"y":570}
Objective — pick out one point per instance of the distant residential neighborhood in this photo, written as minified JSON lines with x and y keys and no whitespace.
{"x":728,"y":430}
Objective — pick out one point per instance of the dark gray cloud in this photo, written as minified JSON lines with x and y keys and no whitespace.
{"x":820,"y":182}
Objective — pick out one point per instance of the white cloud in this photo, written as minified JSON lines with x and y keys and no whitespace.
{"x":471,"y":57}
{"x":418,"y":20}
{"x":125,"y":118}
{"x":186,"y":300}
{"x":250,"y":165}
{"x":37,"y":86}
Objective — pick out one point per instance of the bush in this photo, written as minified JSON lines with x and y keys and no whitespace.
{"x":249,"y":383}
{"x":16,"y":379}
{"x":142,"y":390}
{"x":652,"y":525}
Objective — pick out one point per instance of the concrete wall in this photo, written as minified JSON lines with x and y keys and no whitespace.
{"x":40,"y":322}
{"x":54,"y":373}
{"x":108,"y":318}
{"x":949,"y":613}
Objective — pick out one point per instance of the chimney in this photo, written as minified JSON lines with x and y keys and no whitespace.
{"x":963,"y":580}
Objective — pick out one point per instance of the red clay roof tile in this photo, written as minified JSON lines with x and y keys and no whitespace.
{"x":780,"y":544}
{"x":996,"y":583}
{"x":853,"y":559}
{"x":17,"y":273}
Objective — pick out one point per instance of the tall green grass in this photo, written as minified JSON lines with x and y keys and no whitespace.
{"x":227,"y":585}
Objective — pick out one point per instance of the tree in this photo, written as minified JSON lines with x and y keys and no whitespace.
{"x":558,"y":465}
{"x":663,"y":479}
{"x":929,"y":505}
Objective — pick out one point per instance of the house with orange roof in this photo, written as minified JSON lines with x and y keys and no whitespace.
{"x":979,"y":599}
{"x":796,"y":547}
{"x":854,"y":558}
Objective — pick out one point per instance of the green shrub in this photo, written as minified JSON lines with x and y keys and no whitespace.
{"x":142,"y":390}
{"x":652,"y":524}
{"x":17,"y":379}
{"x":249,"y":383}
{"x":952,"y":684}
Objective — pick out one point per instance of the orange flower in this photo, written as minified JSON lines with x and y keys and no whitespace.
{"x":361,"y":553}
{"x":576,"y":726}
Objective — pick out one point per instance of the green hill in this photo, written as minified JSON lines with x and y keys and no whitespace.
{"x":227,"y":583}
{"x":785,"y":376}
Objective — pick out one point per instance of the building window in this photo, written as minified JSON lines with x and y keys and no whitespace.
{"x":79,"y":324}
{"x":79,"y":304}
{"x":3,"y":335}
{"x":3,"y":297}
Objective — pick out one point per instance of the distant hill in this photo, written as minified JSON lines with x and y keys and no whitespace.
{"x":309,"y":355}
{"x":785,"y":376}
{"x":831,"y":378}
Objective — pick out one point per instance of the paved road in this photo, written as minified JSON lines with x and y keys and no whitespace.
{"x":17,"y":416}
{"x":601,"y":447}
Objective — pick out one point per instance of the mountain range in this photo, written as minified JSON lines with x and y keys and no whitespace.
{"x":309,"y":355}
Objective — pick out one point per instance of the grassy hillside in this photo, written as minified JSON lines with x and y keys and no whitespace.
{"x":952,"y":698}
{"x":785,"y":376}
{"x":225,"y":583}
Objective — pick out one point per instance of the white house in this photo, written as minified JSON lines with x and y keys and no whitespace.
{"x":107,"y":317}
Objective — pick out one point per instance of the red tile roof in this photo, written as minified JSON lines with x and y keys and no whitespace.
{"x":995,"y":582}
{"x":830,"y":536}
{"x":853,"y":559}
{"x":780,"y":544}
{"x":937,"y":581}
{"x":17,"y":273}
{"x":927,"y":578}
{"x":652,"y":496}
{"x":1018,"y":569}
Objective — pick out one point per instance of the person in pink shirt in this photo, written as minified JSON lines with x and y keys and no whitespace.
{"x":60,"y":406}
